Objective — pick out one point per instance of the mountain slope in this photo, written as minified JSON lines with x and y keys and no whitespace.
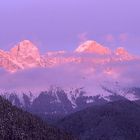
{"x":56,"y":103}
{"x":16,"y":124}
{"x":114,"y":121}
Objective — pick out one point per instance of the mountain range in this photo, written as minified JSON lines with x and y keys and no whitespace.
{"x":92,"y":92}
{"x":26,"y":55}
{"x":55,"y":84}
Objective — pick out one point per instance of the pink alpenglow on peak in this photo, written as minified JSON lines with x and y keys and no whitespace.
{"x":124,"y":54}
{"x":25,"y":49}
{"x":121,"y":51}
{"x":26,"y":53}
{"x":23,"y":55}
{"x":92,"y":47}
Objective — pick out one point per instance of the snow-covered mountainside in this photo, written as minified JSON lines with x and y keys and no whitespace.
{"x":59,"y":102}
{"x":62,"y":82}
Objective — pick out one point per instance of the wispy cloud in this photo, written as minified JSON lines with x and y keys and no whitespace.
{"x":123,"y":37}
{"x":83,"y":37}
{"x":126,"y":73}
{"x":109,"y":38}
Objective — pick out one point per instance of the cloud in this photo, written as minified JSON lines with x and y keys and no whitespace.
{"x":127,"y":73}
{"x":123,"y":37}
{"x":83,"y":37}
{"x":109,"y":38}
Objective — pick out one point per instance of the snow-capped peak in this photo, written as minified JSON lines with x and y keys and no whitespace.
{"x":25,"y":49}
{"x":122,"y":53}
{"x":92,"y":47}
{"x":26,"y":54}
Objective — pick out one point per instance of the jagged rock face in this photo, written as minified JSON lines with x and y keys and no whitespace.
{"x":52,"y":105}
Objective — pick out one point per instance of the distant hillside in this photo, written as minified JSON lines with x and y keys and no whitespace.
{"x":119,"y":120}
{"x":16,"y":124}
